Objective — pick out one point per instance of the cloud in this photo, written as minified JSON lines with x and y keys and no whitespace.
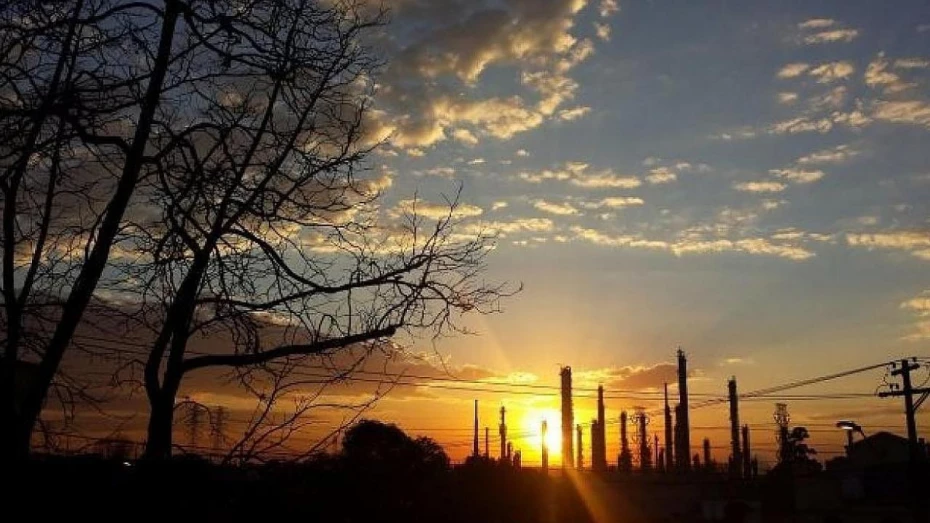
{"x":578,"y":174}
{"x":498,"y":205}
{"x":435,"y":211}
{"x":798,"y":175}
{"x":912,"y":112}
{"x":877,"y":74}
{"x":631,"y":377}
{"x":614,"y":202}
{"x":833,"y":71}
{"x":836,"y":35}
{"x":522,"y":153}
{"x":465,"y":136}
{"x":574,"y":113}
{"x":602,"y":31}
{"x":606,"y":179}
{"x":917,"y":243}
{"x":661,"y":175}
{"x":694,"y":244}
{"x":920,"y":307}
{"x":503,"y":228}
{"x":608,"y":7}
{"x":838,"y":154}
{"x":793,"y":70}
{"x":427,"y":87}
{"x":476,"y":161}
{"x":787,"y":97}
{"x":817,"y":23}
{"x":444,"y":172}
{"x":561,"y":209}
{"x":760,"y":187}
{"x":912,"y":63}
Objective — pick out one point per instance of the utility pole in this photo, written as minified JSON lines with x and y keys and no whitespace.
{"x":910,"y":409}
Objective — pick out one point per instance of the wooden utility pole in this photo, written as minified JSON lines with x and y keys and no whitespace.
{"x":908,"y":391}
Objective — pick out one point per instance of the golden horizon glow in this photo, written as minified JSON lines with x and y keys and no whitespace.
{"x":531,"y":424}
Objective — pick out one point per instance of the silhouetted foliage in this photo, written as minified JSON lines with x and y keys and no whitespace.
{"x":381,"y":445}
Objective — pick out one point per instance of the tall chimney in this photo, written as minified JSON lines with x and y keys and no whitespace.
{"x":503,"y":433}
{"x":624,"y":462}
{"x":669,"y":455}
{"x":545,"y":449}
{"x":707,"y":460}
{"x":645,"y":457}
{"x":579,"y":461}
{"x":736,"y":454}
{"x":684,"y":447}
{"x":747,"y":460}
{"x":599,"y":446}
{"x":475,"y":450}
{"x":568,"y":417}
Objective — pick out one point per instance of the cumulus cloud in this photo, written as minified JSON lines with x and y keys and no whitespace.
{"x":608,"y":7}
{"x":878,"y":75}
{"x":638,"y":377}
{"x":793,"y":70}
{"x":465,"y":136}
{"x":787,"y":97}
{"x":602,"y":31}
{"x":574,"y":113}
{"x":912,"y":63}
{"x":579,"y":174}
{"x":760,"y":187}
{"x":920,"y":307}
{"x":914,"y":112}
{"x":522,"y":153}
{"x":838,"y":154}
{"x":917,"y":243}
{"x":561,"y":209}
{"x":519,"y":225}
{"x":498,"y":205}
{"x":614,"y":202}
{"x":832,"y":71}
{"x":661,"y":175}
{"x":817,"y":23}
{"x":696,"y":244}
{"x":798,"y":175}
{"x":435,"y":211}
{"x":835,"y":35}
{"x":426,"y":91}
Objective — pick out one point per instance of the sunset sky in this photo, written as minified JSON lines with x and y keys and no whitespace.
{"x":748,"y":180}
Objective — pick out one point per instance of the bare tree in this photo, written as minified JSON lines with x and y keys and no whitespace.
{"x":80,"y":87}
{"x":261,"y":223}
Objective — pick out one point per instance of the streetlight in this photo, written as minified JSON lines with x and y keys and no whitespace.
{"x":850,"y":427}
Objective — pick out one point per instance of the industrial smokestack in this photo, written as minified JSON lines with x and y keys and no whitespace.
{"x":645,"y":457}
{"x":475,"y":450}
{"x":568,"y":417}
{"x":736,"y":454}
{"x":669,"y":454}
{"x":707,"y":460}
{"x":503,"y":434}
{"x":625,"y":460}
{"x":545,"y":449}
{"x":599,"y":445}
{"x":684,"y":447}
{"x":747,"y":460}
{"x":579,"y":461}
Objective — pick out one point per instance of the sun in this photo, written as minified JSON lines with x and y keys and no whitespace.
{"x":532,"y":426}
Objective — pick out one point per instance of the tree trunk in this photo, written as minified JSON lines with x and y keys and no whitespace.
{"x":159,"y":442}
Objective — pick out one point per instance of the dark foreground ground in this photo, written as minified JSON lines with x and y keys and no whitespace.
{"x":333,"y":490}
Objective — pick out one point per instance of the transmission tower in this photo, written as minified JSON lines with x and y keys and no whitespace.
{"x":219,"y":429}
{"x":640,"y":419}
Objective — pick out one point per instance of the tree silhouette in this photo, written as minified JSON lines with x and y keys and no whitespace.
{"x":381,"y":445}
